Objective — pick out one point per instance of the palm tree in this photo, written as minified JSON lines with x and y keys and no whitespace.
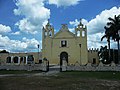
{"x":115,"y":26}
{"x":107,"y":35}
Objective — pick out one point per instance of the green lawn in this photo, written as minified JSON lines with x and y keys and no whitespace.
{"x":76,"y":74}
{"x":17,"y":72}
{"x":98,"y":75}
{"x":64,"y":81}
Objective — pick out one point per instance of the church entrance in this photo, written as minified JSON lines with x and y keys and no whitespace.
{"x":63,"y":57}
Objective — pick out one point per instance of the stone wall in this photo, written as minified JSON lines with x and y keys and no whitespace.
{"x":89,"y":67}
{"x":41,"y":67}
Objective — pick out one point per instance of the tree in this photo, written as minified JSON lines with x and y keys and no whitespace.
{"x":103,"y":55}
{"x":4,"y":51}
{"x":108,"y":32}
{"x":112,"y":29}
{"x":114,"y":24}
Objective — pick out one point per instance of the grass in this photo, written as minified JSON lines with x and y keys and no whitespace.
{"x":76,"y":74}
{"x":73,"y":80}
{"x":97,"y":75}
{"x":17,"y":72}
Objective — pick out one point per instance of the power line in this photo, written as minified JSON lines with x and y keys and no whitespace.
{"x":97,"y":41}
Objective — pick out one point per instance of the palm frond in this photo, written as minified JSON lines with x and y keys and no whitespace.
{"x":103,"y":37}
{"x":110,"y":23}
{"x":111,"y":19}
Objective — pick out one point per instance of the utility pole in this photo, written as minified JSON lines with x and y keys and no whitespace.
{"x":80,"y":52}
{"x":118,"y":46}
{"x":38,"y":51}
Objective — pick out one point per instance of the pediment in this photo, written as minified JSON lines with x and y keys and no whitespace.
{"x":64,"y":34}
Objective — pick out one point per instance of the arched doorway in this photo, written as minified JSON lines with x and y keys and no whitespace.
{"x":8,"y":60}
{"x":30,"y":59}
{"x":24,"y":60}
{"x":63,"y":56}
{"x":21,"y":60}
{"x":15,"y":59}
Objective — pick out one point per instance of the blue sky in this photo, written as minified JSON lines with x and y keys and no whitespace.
{"x":21,"y":21}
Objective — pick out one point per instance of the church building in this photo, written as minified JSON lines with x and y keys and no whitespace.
{"x":61,"y":48}
{"x":65,"y":45}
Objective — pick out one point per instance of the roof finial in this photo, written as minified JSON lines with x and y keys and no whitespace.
{"x":64,"y":27}
{"x":81,"y":22}
{"x":48,"y":22}
{"x":80,"y":19}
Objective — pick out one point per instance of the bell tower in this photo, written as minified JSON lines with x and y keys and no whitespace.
{"x":47,"y":36}
{"x":81,"y":37}
{"x":48,"y":30}
{"x":81,"y":30}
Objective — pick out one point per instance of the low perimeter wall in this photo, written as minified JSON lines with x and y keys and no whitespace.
{"x":41,"y":67}
{"x":90,"y":68}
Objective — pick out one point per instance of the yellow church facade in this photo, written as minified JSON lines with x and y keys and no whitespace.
{"x":62,"y":47}
{"x":65,"y":45}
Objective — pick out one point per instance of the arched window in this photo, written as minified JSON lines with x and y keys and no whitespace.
{"x":78,"y":33}
{"x":8,"y":59}
{"x":21,"y":59}
{"x":50,"y":34}
{"x":24,"y":59}
{"x":15,"y":59}
{"x":30,"y":59}
{"x":45,"y":33}
{"x":83,"y":33}
{"x":64,"y":43}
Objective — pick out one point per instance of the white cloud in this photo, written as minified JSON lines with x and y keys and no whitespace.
{"x":97,"y":24}
{"x":4,"y":29}
{"x":25,"y":26}
{"x":72,"y":30}
{"x":16,"y":33}
{"x":17,"y":45}
{"x":35,"y":14}
{"x":31,"y":43}
{"x":64,"y":2}
{"x":95,"y":27}
{"x":94,"y":40}
{"x":76,"y":22}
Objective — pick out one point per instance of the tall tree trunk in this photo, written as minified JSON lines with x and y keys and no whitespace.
{"x":118,"y":45}
{"x":109,"y":49}
{"x":118,"y":52}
